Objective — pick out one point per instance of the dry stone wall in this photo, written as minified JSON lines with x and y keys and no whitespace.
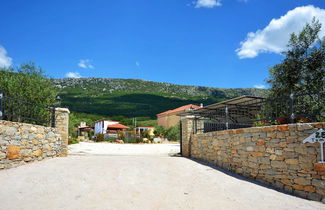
{"x":21,"y":142}
{"x":274,"y":155}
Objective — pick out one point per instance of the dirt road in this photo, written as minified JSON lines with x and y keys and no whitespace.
{"x":134,"y":182}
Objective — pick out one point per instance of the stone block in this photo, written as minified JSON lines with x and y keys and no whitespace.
{"x":264,"y":160}
{"x":278,"y":152}
{"x":37,"y":153}
{"x":304,"y":126}
{"x":278,"y":164}
{"x":288,"y":188}
{"x":13,"y":152}
{"x":269,"y":128}
{"x":302,"y":181}
{"x":292,"y":139}
{"x":320,"y":168}
{"x":286,"y":181}
{"x":273,"y":157}
{"x":318,"y":183}
{"x":270,"y":150}
{"x":234,"y":151}
{"x":309,"y":189}
{"x":35,"y":142}
{"x":263,"y":167}
{"x":250,"y":149}
{"x":292,"y":161}
{"x":260,"y":143}
{"x":294,"y":167}
{"x":297,"y":187}
{"x":282,"y":128}
{"x":256,"y":154}
{"x":271,"y":135}
{"x":314,"y":196}
{"x":301,"y":150}
{"x":300,"y":193}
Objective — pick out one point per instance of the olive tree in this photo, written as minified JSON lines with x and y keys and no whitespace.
{"x":28,"y":90}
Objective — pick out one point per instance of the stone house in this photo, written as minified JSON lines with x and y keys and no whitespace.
{"x":170,"y":118}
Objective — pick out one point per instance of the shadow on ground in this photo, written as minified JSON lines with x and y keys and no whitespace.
{"x":237,"y":176}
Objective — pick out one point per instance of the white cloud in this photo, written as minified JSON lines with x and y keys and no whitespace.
{"x":85,"y":64}
{"x":137,"y":63}
{"x":259,"y":86}
{"x":5,"y":61}
{"x":275,"y":36}
{"x":73,"y":75}
{"x":207,"y":3}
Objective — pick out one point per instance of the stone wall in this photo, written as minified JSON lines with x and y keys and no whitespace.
{"x":21,"y":142}
{"x":274,"y":155}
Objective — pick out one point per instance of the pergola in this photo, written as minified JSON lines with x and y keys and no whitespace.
{"x":233,"y":113}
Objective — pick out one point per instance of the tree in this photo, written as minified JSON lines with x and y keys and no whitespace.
{"x":27,"y":83}
{"x":302,"y":70}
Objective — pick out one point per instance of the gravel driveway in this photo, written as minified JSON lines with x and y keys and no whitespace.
{"x":134,"y":182}
{"x":84,"y":148}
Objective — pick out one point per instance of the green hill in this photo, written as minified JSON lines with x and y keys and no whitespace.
{"x":137,"y":98}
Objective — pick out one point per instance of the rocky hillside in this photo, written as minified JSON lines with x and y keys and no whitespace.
{"x":133,"y":98}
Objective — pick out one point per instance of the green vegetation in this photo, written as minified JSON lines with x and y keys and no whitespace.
{"x":137,"y":98}
{"x":28,"y":82}
{"x":172,"y":133}
{"x":73,"y":141}
{"x":302,"y":70}
{"x":28,"y":94}
{"x":92,"y":99}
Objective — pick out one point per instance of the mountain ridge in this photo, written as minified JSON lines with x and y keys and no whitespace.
{"x":136,"y":97}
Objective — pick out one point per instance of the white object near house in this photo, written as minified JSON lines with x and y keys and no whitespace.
{"x":157,"y":140}
{"x":318,"y":136}
{"x":101,"y":126}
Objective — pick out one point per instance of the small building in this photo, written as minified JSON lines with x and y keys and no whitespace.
{"x":170,"y":118}
{"x":109,"y":128}
{"x":101,"y":126}
{"x":140,"y":129}
{"x":83,"y":131}
{"x":116,"y":129}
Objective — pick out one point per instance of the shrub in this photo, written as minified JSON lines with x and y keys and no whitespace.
{"x":159,"y":131}
{"x":73,"y":141}
{"x":145,"y":134}
{"x":172,"y":133}
{"x":133,"y":140}
{"x":99,"y":137}
{"x":110,"y":139}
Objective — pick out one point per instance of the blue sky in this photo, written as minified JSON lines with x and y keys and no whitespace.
{"x":200,"y":42}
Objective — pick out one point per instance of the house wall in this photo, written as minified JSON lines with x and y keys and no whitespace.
{"x":274,"y":155}
{"x":21,"y":142}
{"x":162,"y":121}
{"x":168,"y":120}
{"x":101,"y":126}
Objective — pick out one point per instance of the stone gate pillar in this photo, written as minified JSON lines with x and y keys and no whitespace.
{"x":187,"y":132}
{"x":62,"y":128}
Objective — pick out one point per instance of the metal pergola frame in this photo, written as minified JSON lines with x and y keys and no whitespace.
{"x":247,"y":111}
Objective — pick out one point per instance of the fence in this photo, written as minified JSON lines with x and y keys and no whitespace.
{"x":261,"y":111}
{"x":18,"y":110}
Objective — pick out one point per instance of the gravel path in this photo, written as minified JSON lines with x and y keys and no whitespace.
{"x":134,"y":182}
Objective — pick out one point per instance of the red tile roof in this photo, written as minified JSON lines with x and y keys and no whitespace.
{"x":179,"y":109}
{"x":118,"y":126}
